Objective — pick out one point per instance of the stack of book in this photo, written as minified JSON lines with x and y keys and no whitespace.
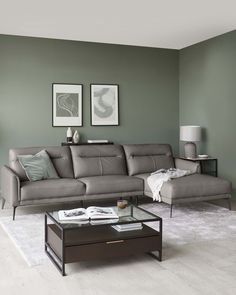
{"x":97,"y":141}
{"x":128,"y":226}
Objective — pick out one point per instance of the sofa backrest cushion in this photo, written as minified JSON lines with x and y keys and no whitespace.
{"x":60,"y":157}
{"x":147,"y":158}
{"x":98,"y":160}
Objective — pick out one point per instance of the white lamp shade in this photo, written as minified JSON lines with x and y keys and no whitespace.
{"x":190,"y":133}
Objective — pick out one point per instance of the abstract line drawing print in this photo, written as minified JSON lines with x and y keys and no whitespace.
{"x":104,"y":102}
{"x":67,"y":104}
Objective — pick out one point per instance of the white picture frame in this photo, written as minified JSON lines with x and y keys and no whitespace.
{"x":104,"y":104}
{"x":67,"y":105}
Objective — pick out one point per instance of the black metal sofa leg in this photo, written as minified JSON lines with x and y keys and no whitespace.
{"x":229,"y":203}
{"x":171,"y":209}
{"x":3,"y":203}
{"x":14,"y":212}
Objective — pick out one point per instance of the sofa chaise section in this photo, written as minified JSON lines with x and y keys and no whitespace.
{"x":190,"y":188}
{"x":147,"y":158}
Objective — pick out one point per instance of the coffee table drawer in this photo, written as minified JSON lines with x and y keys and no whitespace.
{"x":115,"y":248}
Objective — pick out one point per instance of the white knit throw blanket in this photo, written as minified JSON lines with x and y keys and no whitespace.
{"x":157,"y":178}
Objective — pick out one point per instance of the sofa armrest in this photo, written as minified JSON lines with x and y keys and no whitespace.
{"x":10,"y":186}
{"x":193,"y":167}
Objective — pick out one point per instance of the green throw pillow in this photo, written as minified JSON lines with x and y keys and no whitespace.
{"x":38,"y":167}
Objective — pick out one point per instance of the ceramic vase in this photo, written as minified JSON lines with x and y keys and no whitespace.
{"x":76,"y":137}
{"x":69,"y":134}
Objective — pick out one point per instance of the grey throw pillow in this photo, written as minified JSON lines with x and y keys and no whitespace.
{"x":38,"y":166}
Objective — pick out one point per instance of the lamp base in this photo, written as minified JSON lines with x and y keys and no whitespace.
{"x":190,"y":150}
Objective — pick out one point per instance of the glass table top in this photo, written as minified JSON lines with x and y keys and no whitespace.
{"x":131,"y":214}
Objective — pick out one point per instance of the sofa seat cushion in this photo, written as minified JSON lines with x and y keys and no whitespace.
{"x":111,"y":184}
{"x":51,"y":188}
{"x":194,"y":185}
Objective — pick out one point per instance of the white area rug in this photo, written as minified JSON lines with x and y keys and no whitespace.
{"x":194,"y":222}
{"x":27,"y":234}
{"x":191,"y":223}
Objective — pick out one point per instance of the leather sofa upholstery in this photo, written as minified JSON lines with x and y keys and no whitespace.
{"x":144,"y":159}
{"x":196,"y":187}
{"x":51,"y":188}
{"x":60,"y":156}
{"x":98,"y":160}
{"x":112,"y":184}
{"x":107,"y":171}
{"x":147,"y":158}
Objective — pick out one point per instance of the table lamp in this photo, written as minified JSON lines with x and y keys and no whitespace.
{"x":190,"y":134}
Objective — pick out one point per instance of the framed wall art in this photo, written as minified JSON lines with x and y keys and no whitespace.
{"x":66,"y":105}
{"x":104,"y":104}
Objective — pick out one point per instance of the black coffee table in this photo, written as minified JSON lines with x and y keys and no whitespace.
{"x":72,"y":242}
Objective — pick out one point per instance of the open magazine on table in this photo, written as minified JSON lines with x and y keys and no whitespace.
{"x":91,"y":212}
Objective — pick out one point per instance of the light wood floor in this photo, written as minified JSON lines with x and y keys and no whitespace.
{"x":200,"y":268}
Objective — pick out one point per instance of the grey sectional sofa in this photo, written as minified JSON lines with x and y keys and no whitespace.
{"x":106,"y":171}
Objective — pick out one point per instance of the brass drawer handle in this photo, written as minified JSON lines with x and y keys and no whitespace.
{"x":114,"y":242}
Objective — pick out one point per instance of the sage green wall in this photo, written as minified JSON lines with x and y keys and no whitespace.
{"x":148,"y":80}
{"x":208,"y":97}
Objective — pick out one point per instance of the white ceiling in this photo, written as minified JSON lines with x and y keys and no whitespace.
{"x":156,"y":23}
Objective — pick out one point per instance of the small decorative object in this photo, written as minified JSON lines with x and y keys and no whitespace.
{"x":67,"y":104}
{"x":190,"y":134}
{"x":123,"y":208}
{"x":203,"y":156}
{"x":104,"y":105}
{"x":97,"y":141}
{"x":76,"y":137}
{"x":69,"y":135}
{"x":122,"y":204}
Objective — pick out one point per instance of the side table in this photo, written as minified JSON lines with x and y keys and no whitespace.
{"x":208,"y":165}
